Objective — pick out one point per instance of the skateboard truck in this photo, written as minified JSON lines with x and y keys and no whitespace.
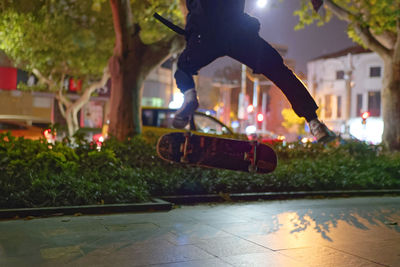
{"x":186,"y":148}
{"x":252,"y":156}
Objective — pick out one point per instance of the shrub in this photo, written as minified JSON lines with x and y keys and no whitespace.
{"x":34,"y":173}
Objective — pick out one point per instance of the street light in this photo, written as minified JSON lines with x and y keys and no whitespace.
{"x":262,"y":3}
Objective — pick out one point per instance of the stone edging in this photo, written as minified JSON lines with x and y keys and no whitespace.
{"x":192,"y":199}
{"x":155,"y":205}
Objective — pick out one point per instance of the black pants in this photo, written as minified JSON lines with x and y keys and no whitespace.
{"x":250,"y":49}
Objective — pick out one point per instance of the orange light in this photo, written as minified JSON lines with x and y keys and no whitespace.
{"x":250,"y":108}
{"x":365,"y":115}
{"x":260,"y":117}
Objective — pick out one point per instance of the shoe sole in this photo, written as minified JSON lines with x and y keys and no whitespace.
{"x":327,"y":139}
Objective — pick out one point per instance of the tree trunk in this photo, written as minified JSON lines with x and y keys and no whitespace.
{"x":127,"y":76}
{"x":129,"y":66}
{"x":391,"y":104}
{"x":69,"y":118}
{"x":125,"y":113}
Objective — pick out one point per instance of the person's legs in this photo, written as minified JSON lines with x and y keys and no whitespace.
{"x":260,"y":56}
{"x":197,"y":54}
{"x":253,"y":51}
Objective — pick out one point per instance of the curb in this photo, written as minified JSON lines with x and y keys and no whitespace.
{"x":155,"y":205}
{"x":193,"y":199}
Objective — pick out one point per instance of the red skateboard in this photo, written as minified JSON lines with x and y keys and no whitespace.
{"x":215,"y":152}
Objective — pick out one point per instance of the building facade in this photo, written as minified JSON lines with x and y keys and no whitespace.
{"x":346,"y":85}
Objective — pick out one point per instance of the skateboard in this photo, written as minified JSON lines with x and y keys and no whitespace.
{"x":215,"y":152}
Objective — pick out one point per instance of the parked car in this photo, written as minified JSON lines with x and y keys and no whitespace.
{"x":158,"y":121}
{"x":20,"y":129}
{"x":268,"y":138}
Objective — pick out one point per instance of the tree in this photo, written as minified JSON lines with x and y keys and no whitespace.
{"x":141,"y":44}
{"x":292,"y":121}
{"x":375,"y":24}
{"x":57,"y":40}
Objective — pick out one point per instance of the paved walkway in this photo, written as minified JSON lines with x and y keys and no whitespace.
{"x":328,"y":232}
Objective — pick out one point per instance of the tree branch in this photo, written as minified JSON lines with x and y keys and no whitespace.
{"x":43,"y":79}
{"x":157,"y":51}
{"x":396,"y":48}
{"x":183,"y":8}
{"x":363,"y":32}
{"x":124,"y":27}
{"x":339,"y":11}
{"x":62,"y":108}
{"x":371,"y":42}
{"x":61,"y":98}
{"x":89,"y":91}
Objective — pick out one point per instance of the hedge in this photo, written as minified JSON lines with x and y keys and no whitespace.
{"x":38,"y":174}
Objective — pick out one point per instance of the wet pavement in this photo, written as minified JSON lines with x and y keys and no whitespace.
{"x":309,"y":232}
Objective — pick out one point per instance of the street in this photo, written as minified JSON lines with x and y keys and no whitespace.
{"x":308,"y":232}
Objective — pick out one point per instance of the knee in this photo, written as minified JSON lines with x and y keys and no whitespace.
{"x":184,"y":80}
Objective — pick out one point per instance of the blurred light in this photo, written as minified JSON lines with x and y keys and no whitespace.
{"x":50,"y":137}
{"x":365,"y":115}
{"x":260,"y":117}
{"x":370,"y":132}
{"x":281,"y":137}
{"x":251,"y":129}
{"x":250,"y":108}
{"x":235,"y":124}
{"x":262,"y":3}
{"x":177,"y":101}
{"x":305,"y":140}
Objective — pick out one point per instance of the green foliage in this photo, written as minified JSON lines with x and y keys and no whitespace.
{"x":34,"y":173}
{"x":74,"y":37}
{"x":307,"y":15}
{"x":152,"y":30}
{"x":57,"y":37}
{"x":379,"y":16}
{"x":292,"y":120}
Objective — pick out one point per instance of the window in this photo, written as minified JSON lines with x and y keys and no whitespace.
{"x":340,"y":75}
{"x":375,"y":72}
{"x":374,"y":103}
{"x":328,"y":106}
{"x":11,"y":126}
{"x":359,"y":105}
{"x":208,"y":125}
{"x":339,"y":107}
{"x":163,"y":118}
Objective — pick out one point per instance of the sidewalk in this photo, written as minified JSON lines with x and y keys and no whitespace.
{"x":309,"y":232}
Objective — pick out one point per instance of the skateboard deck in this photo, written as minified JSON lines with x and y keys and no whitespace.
{"x":215,"y":152}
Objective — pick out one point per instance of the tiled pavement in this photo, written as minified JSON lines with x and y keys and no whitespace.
{"x":320,"y":232}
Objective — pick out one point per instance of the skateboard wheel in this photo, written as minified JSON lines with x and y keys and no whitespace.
{"x":252,"y":168}
{"x":265,"y":165}
{"x":184,"y":160}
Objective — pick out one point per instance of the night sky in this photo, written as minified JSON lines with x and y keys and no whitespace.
{"x":277,"y":26}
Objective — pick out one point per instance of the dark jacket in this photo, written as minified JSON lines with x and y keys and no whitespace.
{"x":209,"y":15}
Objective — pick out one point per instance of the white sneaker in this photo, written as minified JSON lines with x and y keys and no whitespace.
{"x":189,"y":106}
{"x":321,"y":132}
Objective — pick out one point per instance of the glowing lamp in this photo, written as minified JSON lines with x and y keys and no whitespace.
{"x":365,"y":115}
{"x":260,"y":117}
{"x":250,"y":108}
